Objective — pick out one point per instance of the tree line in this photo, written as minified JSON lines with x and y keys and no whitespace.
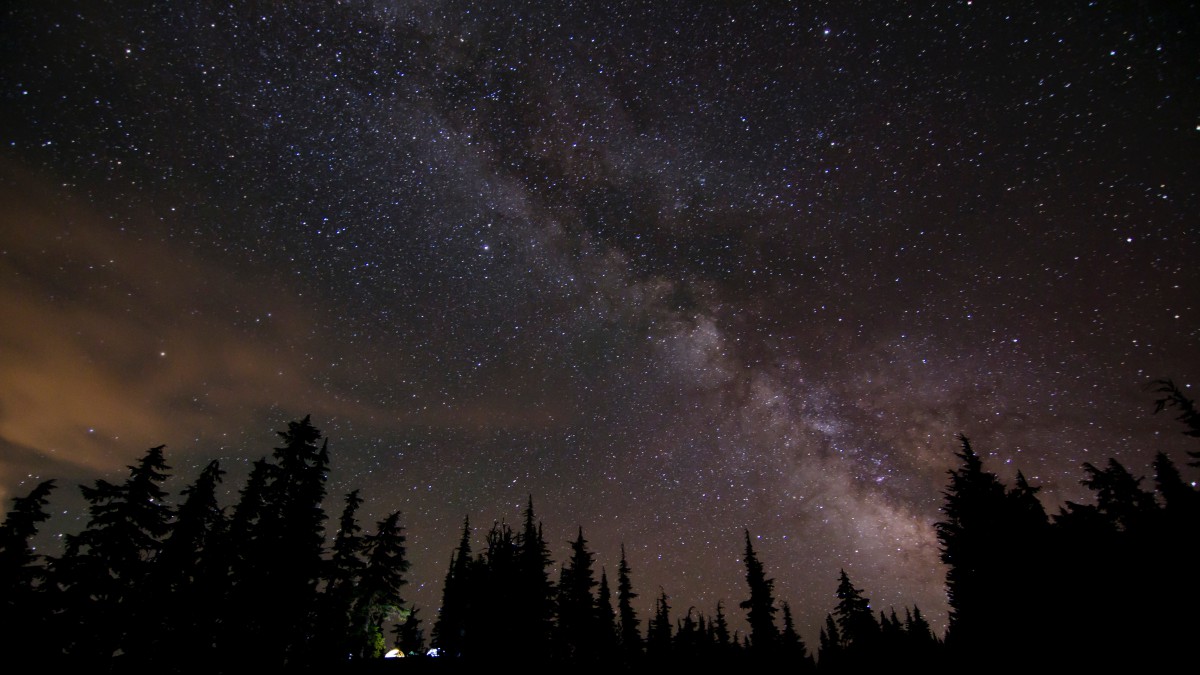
{"x":151,"y":586}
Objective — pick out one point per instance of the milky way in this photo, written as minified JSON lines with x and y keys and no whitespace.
{"x":674,"y":269}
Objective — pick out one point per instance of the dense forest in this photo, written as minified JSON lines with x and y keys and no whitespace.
{"x":195,"y":586}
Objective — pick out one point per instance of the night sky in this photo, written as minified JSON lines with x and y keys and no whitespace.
{"x":676,"y":269}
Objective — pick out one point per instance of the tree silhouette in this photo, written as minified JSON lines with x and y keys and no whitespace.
{"x":606,"y":620}
{"x":860,"y":632}
{"x":658,"y":633}
{"x":760,"y":606}
{"x":189,"y":577}
{"x":23,"y":608}
{"x":410,"y":638}
{"x":378,"y":596}
{"x":1172,"y":397}
{"x":792,"y":648}
{"x":533,"y":615}
{"x":334,"y":636}
{"x":630,"y":634}
{"x":105,"y":567}
{"x":450,"y":629}
{"x":576,"y":605}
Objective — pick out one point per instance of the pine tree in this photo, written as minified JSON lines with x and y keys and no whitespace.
{"x":378,"y":595}
{"x":760,"y":606}
{"x":975,"y":502}
{"x":630,"y":634}
{"x":24,"y":611}
{"x":450,"y":630}
{"x":720,"y":628}
{"x":533,"y":615}
{"x":1172,"y":397}
{"x":606,"y":619}
{"x":410,"y":639}
{"x":19,"y":571}
{"x":105,"y":567}
{"x":334,"y":638}
{"x":190,"y":577}
{"x":576,"y":605}
{"x":658,"y":634}
{"x":829,"y":654}
{"x":792,"y":648}
{"x":856,"y":621}
{"x":280,"y":525}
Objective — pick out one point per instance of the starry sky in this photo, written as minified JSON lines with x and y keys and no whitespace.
{"x":676,"y":269}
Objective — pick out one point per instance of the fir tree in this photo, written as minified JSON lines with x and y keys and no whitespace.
{"x":450,"y":629}
{"x":576,"y":604}
{"x":630,"y":634}
{"x":334,"y":638}
{"x":378,"y":596}
{"x":792,"y":648}
{"x":190,"y":580}
{"x":606,"y":619}
{"x":19,"y":571}
{"x":23,"y":607}
{"x":760,"y":606}
{"x":829,"y":654}
{"x":105,"y":567}
{"x":658,"y":635}
{"x":533,"y":615}
{"x":410,"y":638}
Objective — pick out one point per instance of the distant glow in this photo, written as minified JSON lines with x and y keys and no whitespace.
{"x":394,"y":654}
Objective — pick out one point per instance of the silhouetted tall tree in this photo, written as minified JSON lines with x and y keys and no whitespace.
{"x":378,"y":595}
{"x":23,"y":605}
{"x":105,"y":567}
{"x":576,"y":605}
{"x":450,"y":629}
{"x":829,"y":654}
{"x":658,"y":632}
{"x":792,"y":648}
{"x":760,"y":606}
{"x":606,"y":620}
{"x":856,"y":623}
{"x":190,"y":578}
{"x":19,"y":571}
{"x":282,"y":560}
{"x":334,"y":638}
{"x":410,"y":638}
{"x":975,"y":504}
{"x":533,"y":615}
{"x":630,"y":634}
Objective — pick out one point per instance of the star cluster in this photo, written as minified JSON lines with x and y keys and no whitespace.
{"x":675,"y":269}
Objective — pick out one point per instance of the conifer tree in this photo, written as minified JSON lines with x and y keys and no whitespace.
{"x":105,"y":567}
{"x":576,"y":604}
{"x":760,"y":606}
{"x":410,"y":638}
{"x":190,"y":578}
{"x":792,"y":648}
{"x":450,"y":630}
{"x":720,"y":628}
{"x":829,"y":654}
{"x":19,"y":571}
{"x":378,"y":595}
{"x":606,"y":619}
{"x":630,"y":634}
{"x":533,"y":615}
{"x":23,"y":606}
{"x":334,"y":638}
{"x":658,"y":634}
{"x":856,"y":621}
{"x":972,"y":547}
